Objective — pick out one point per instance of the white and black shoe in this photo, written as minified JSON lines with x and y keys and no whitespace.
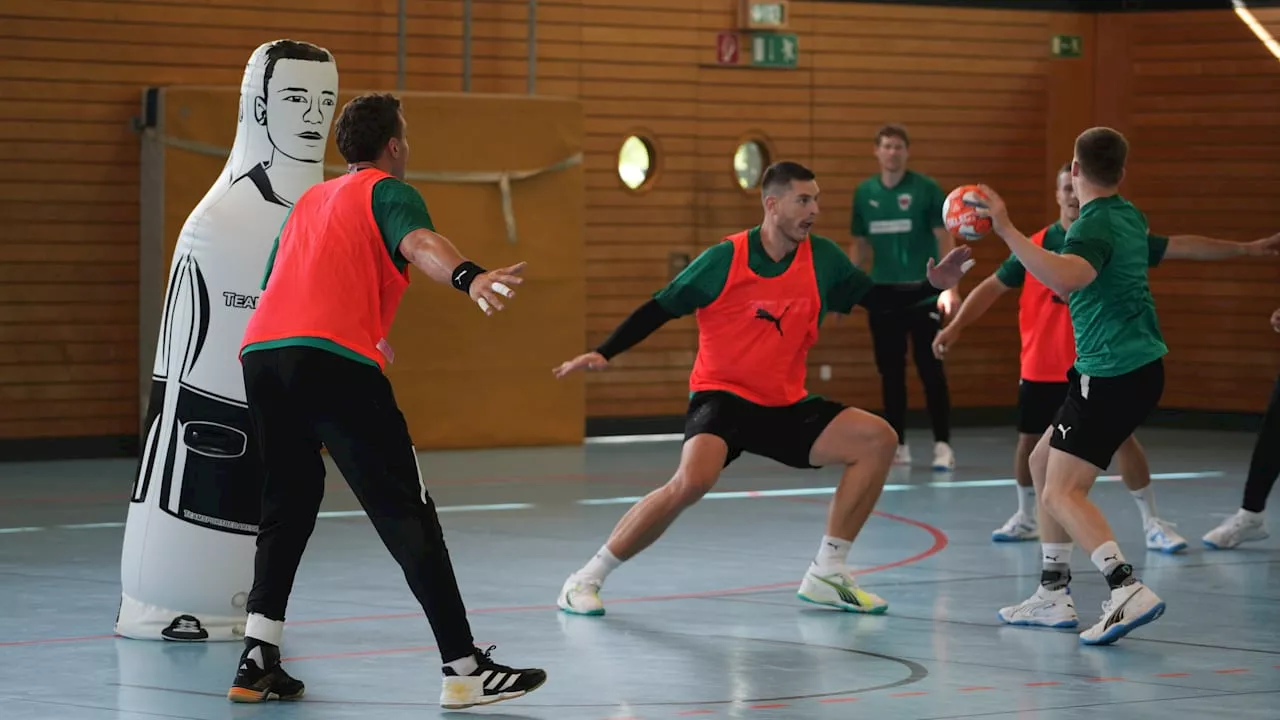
{"x":489,"y":683}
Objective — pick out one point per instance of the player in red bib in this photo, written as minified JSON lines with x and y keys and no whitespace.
{"x":759,"y":298}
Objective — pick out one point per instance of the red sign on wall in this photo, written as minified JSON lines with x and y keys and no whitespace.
{"x":727,"y":48}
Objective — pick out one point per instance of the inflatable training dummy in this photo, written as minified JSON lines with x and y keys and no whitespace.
{"x":187,"y":563}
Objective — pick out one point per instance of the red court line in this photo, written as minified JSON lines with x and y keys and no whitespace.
{"x":908,"y":694}
{"x":940,"y":542}
{"x":1232,"y":671}
{"x":838,"y":700}
{"x":1106,"y":679}
{"x":768,"y":706}
{"x":1173,"y":675}
{"x":1043,"y":684}
{"x":980,"y":688}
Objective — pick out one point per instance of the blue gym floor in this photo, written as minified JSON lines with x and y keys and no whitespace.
{"x":705,"y":623}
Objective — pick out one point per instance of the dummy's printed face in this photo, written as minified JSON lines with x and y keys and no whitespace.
{"x":299,"y":106}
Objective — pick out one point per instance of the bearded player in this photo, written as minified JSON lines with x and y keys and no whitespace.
{"x":759,"y":298}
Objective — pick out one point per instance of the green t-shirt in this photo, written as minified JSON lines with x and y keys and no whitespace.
{"x":841,"y":285}
{"x":398,"y":209}
{"x":1114,"y":317}
{"x":898,"y":224}
{"x":1012,"y":274}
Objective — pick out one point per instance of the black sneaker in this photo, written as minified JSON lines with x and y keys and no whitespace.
{"x":253,"y":684}
{"x":490,"y":683}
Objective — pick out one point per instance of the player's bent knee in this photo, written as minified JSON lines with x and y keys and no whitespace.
{"x":856,"y":436}
{"x":688,"y":486}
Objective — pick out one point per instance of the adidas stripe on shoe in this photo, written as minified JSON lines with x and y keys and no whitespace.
{"x":254,"y":684}
{"x":488,"y":683}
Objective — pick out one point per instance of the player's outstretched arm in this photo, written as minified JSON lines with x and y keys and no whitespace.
{"x":973,"y":307}
{"x":1063,"y":274}
{"x":642,"y":323}
{"x":1199,"y":247}
{"x":438,"y":259}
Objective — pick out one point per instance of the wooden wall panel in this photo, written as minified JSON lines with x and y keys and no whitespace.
{"x":1195,"y":94}
{"x":980,"y":95}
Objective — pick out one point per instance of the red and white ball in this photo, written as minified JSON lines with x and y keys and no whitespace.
{"x":959,"y":213}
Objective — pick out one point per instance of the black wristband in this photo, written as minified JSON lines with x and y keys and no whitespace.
{"x":465,"y":274}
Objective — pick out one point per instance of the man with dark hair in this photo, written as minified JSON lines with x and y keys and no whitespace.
{"x":897,"y":225}
{"x":759,"y":298}
{"x":313,"y":355}
{"x":1048,"y":350}
{"x":1116,"y":381}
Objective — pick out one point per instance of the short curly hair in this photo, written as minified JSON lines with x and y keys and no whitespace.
{"x":365,"y":126}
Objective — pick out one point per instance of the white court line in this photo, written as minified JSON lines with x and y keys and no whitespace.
{"x":942,"y":485}
{"x":628,"y":439}
{"x":722,"y":495}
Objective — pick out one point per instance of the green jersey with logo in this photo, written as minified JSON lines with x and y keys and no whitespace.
{"x":398,"y":209}
{"x":1114,"y":317}
{"x":898,"y":223}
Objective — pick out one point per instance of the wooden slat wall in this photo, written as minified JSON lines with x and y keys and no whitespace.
{"x":72,"y":80}
{"x":1197,"y":97}
{"x":1194,"y":91}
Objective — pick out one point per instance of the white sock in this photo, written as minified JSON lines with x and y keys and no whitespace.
{"x":1253,"y":518}
{"x":1027,"y":501}
{"x":599,"y":567}
{"x":259,"y":627}
{"x":833,"y":554}
{"x":1055,"y":553}
{"x":1107,"y":557}
{"x":1146,"y":499}
{"x":465,"y":665}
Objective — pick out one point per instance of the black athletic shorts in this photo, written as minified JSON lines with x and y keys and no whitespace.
{"x":785,"y":434}
{"x":1100,"y":413}
{"x":1038,"y":403}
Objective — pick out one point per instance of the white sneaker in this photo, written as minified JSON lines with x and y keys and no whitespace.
{"x":1129,"y":607}
{"x":1235,"y":530}
{"x":943,"y":457}
{"x":1160,"y":536}
{"x":1046,"y":608}
{"x":1018,"y":528}
{"x":839,"y":589}
{"x":581,"y":596}
{"x":902,"y":456}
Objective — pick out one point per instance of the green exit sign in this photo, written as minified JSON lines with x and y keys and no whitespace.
{"x":763,"y":14}
{"x":770,"y":15}
{"x":774,"y":50}
{"x":1067,"y":45}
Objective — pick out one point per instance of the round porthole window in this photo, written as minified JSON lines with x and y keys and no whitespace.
{"x":635,"y":162}
{"x":749,"y":162}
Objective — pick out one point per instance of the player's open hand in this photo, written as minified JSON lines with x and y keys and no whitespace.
{"x":993,"y":207}
{"x":1275,"y":320}
{"x":585,"y":361}
{"x":488,"y":287}
{"x":946,"y":274}
{"x":1263,"y":247}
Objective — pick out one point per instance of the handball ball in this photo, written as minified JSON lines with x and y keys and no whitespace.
{"x":958,"y":213}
